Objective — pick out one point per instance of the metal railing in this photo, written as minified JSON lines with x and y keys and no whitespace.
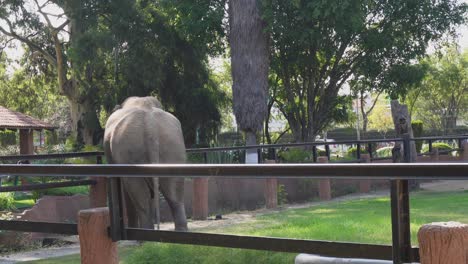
{"x":399,"y":174}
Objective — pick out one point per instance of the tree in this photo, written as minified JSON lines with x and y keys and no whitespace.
{"x":250,"y":63}
{"x":103,"y":52}
{"x":30,"y":23}
{"x":317,"y":46}
{"x":381,"y":117}
{"x":444,"y":91}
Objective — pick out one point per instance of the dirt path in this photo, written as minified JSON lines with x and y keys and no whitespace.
{"x":227,"y":220}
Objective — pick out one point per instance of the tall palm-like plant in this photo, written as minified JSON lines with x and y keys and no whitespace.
{"x":249,"y":64}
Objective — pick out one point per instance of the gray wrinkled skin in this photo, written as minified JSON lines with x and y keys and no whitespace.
{"x":140,"y":132}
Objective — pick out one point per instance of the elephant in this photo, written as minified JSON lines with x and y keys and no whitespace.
{"x":141,"y":132}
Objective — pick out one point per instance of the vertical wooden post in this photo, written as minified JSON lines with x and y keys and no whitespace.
{"x":95,"y":244}
{"x":324,"y":184}
{"x":464,"y":155}
{"x":98,"y":191}
{"x":365,"y":185}
{"x":271,"y":190}
{"x":26,"y":141}
{"x":443,"y":243}
{"x":200,"y":199}
{"x":435,"y":155}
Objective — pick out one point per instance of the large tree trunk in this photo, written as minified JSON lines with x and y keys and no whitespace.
{"x":402,"y":122}
{"x":84,"y":116}
{"x":249,"y":65}
{"x":85,"y":122}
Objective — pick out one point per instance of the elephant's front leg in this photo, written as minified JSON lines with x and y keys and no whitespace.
{"x":173,"y":191}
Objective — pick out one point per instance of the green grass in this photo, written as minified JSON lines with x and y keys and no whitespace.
{"x":75,"y":258}
{"x":365,"y":221}
{"x":24,"y":203}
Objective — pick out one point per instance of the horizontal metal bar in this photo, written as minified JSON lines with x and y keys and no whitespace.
{"x":327,"y":248}
{"x":39,"y":227}
{"x":41,"y":186}
{"x":349,"y":142}
{"x":450,"y":171}
{"x":442,"y":138}
{"x":53,"y":156}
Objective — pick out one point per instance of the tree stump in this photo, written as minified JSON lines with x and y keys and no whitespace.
{"x":95,"y":244}
{"x":324,"y":184}
{"x":443,"y":243}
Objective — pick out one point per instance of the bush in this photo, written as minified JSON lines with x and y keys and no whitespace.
{"x":417,"y":126}
{"x":295,"y":155}
{"x":352,"y":152}
{"x":7,"y":201}
{"x":384,"y":152}
{"x":64,"y":191}
{"x":436,"y":145}
{"x":7,"y":138}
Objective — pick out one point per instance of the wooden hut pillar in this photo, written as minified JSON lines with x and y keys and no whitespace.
{"x":26,"y":141}
{"x":324,"y":184}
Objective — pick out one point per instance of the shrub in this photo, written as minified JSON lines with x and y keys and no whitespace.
{"x":436,"y":145}
{"x":384,"y":152}
{"x":417,"y":126}
{"x":295,"y":155}
{"x":7,"y":138}
{"x":352,"y":152}
{"x":64,"y":191}
{"x":7,"y":201}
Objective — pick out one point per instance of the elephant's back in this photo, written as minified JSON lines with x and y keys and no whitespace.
{"x":137,"y":136}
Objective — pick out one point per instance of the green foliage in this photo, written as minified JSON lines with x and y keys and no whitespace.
{"x":64,"y":191}
{"x":295,"y":155}
{"x":7,"y":201}
{"x":317,"y":46}
{"x":384,"y":152}
{"x":436,"y":145}
{"x":352,"y":152}
{"x":7,"y":138}
{"x":417,"y":126}
{"x":282,"y":195}
{"x":442,"y":98}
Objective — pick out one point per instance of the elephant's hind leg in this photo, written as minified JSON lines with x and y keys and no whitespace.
{"x":173,"y":191}
{"x":140,"y":203}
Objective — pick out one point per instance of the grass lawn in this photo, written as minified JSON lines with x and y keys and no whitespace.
{"x":365,"y":220}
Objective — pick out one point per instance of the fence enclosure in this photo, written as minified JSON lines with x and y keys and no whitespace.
{"x":398,"y":174}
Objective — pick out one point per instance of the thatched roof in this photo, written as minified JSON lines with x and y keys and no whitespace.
{"x":14,"y":120}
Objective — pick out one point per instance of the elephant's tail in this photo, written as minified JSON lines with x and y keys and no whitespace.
{"x":156,"y":201}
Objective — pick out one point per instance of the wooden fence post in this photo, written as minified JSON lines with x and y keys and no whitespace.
{"x":365,"y":185}
{"x":271,"y":190}
{"x":443,"y":243}
{"x":96,"y":246}
{"x":435,"y":155}
{"x":464,"y":155}
{"x":98,"y":191}
{"x":324,"y":184}
{"x":200,"y":199}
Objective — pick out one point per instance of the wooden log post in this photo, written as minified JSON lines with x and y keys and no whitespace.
{"x":271,"y":190}
{"x":95,"y":244}
{"x":200,"y":199}
{"x":324,"y":184}
{"x":443,"y":243}
{"x":365,"y":185}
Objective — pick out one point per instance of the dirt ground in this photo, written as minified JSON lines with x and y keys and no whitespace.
{"x":227,"y":220}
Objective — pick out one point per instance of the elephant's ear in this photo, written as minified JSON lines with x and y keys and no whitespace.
{"x":117,"y":107}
